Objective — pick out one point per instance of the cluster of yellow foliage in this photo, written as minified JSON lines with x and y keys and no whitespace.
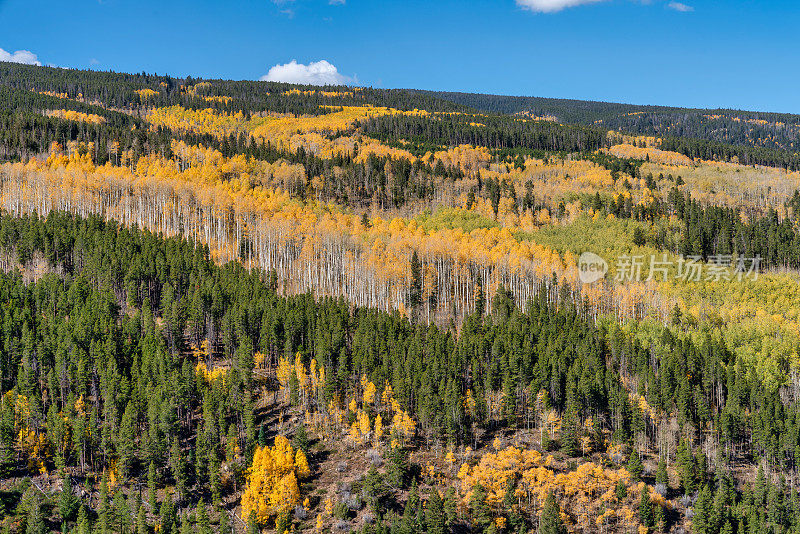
{"x":403,"y":426}
{"x":77,"y":116}
{"x":468,"y":157}
{"x":529,"y":115}
{"x":202,"y":371}
{"x":587,"y":494}
{"x":277,"y":129}
{"x":645,"y":407}
{"x":368,"y":391}
{"x":221,"y":99}
{"x":310,"y":379}
{"x":370,"y":147}
{"x":732,"y":184}
{"x":30,"y":443}
{"x":369,"y":413}
{"x":326,"y":94}
{"x":758,"y":122}
{"x":146,"y":93}
{"x":201,"y":351}
{"x":112,"y":474}
{"x":34,"y":446}
{"x":272,"y":480}
{"x":362,"y":429}
{"x":196,"y":89}
{"x":654,"y":155}
{"x":54,"y":94}
{"x":345,"y":145}
{"x":198,"y":121}
{"x":290,"y":132}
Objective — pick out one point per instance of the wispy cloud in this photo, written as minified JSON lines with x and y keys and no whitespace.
{"x":20,"y":56}
{"x":285,"y":7}
{"x":683,"y":8}
{"x":551,"y":6}
{"x":315,"y":73}
{"x":337,"y":2}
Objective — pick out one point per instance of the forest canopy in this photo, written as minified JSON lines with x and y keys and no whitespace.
{"x":239,"y":306}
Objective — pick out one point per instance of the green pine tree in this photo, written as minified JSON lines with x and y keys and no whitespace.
{"x":661,"y":472}
{"x":415,"y":290}
{"x":660,"y":517}
{"x":224,"y":522}
{"x":635,"y":467}
{"x":435,"y":518}
{"x":550,"y":520}
{"x":284,"y":522}
{"x":411,"y":520}
{"x":141,"y":521}
{"x":702,"y":520}
{"x":570,"y":428}
{"x":35,"y":520}
{"x":397,"y":467}
{"x":300,"y":439}
{"x":478,"y":508}
{"x":621,"y":490}
{"x":167,"y":514}
{"x":646,"y":517}
{"x":252,"y":524}
{"x":186,"y":525}
{"x":372,"y":489}
{"x":67,"y":501}
{"x":84,"y":522}
{"x":151,"y":487}
{"x":262,"y":437}
{"x":451,"y":505}
{"x":104,"y":511}
{"x":126,"y":441}
{"x":203,"y":522}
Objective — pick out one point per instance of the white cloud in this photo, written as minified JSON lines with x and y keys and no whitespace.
{"x":20,"y":56}
{"x":551,"y":6}
{"x":677,"y":6}
{"x":337,"y":2}
{"x":315,"y":73}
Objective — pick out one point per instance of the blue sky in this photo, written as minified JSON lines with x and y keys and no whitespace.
{"x":699,"y":53}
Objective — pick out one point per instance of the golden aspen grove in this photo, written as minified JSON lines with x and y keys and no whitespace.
{"x":267,"y":307}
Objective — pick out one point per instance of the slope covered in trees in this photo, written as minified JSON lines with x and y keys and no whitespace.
{"x":104,"y":390}
{"x":713,"y":132}
{"x":243,"y":306}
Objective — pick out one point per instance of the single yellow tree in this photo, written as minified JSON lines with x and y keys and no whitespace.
{"x":272,"y":480}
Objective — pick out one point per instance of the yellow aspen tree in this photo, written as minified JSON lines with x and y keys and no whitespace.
{"x":301,"y":465}
{"x":378,"y":429}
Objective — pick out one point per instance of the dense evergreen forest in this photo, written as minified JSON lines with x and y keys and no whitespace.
{"x":118,"y":90}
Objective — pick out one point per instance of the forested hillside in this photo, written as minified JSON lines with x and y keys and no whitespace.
{"x":258,"y":307}
{"x":753,"y":137}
